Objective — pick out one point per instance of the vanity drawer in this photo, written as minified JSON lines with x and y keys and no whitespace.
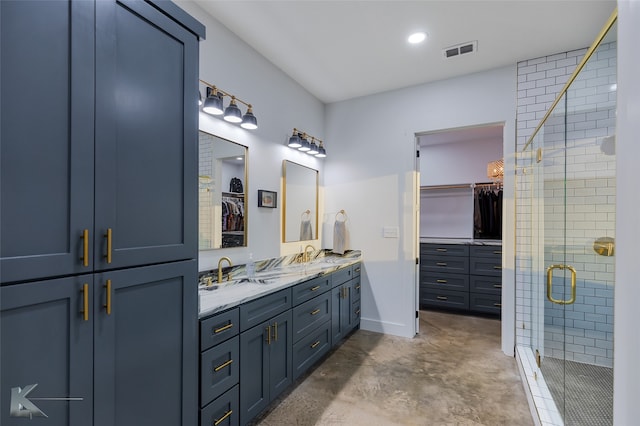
{"x":486,"y":251}
{"x":445,"y":299}
{"x":224,"y":411}
{"x":219,"y":369}
{"x":218,"y":328}
{"x":309,"y":289}
{"x":355,"y":313}
{"x":485,"y":284}
{"x":259,"y":310}
{"x":487,"y":303}
{"x":486,"y":266}
{"x":341,"y":276}
{"x":310,"y":349}
{"x":355,"y":288}
{"x":310,"y":315}
{"x":356,"y":269}
{"x":442,"y":281}
{"x":452,"y":264}
{"x":444,"y":249}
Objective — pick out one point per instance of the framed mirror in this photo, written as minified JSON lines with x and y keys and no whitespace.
{"x":300,"y":202}
{"x":222,"y":183}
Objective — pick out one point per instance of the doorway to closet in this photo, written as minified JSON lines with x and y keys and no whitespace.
{"x":460,"y":219}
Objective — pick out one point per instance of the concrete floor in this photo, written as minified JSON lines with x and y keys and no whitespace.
{"x":452,"y":373}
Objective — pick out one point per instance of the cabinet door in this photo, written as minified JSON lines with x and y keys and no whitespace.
{"x":46,"y":341}
{"x":254,"y":371}
{"x":146,"y":136}
{"x":46,"y":155}
{"x":146,"y":360}
{"x":340,"y":312}
{"x":280,"y":354}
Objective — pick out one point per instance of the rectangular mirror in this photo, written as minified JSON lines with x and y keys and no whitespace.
{"x":222,"y":197}
{"x":300,"y":202}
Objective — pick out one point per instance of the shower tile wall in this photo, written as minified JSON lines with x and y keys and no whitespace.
{"x":206,"y":187}
{"x":584,"y":332}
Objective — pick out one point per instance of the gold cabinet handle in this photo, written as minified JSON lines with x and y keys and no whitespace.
{"x":358,"y":269}
{"x":275,"y":331}
{"x":497,"y":286}
{"x":221,"y":366}
{"x":497,"y":252}
{"x":357,"y":312}
{"x":315,"y":344}
{"x":85,"y":301}
{"x":221,"y":329}
{"x":499,"y":305}
{"x":109,"y":237}
{"x":223,"y":418}
{"x":441,"y":281}
{"x":441,"y":249}
{"x":85,"y":247}
{"x":441,"y":297}
{"x":317,"y":311}
{"x":497,"y":267}
{"x":315,"y":288}
{"x":358,"y":287}
{"x":108,"y":304}
{"x":441,"y":263}
{"x":550,"y":284}
{"x":268,"y":335}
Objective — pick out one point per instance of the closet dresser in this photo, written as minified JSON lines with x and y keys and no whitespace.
{"x":461,"y":275}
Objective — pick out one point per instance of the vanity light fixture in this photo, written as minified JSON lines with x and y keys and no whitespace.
{"x":300,"y":141}
{"x":214,"y":105}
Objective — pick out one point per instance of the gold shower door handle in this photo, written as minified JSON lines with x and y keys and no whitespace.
{"x":550,"y":284}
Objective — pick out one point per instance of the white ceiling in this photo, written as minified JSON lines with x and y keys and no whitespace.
{"x":342,"y":49}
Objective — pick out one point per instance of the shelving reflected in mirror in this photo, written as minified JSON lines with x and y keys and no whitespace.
{"x":222,"y":184}
{"x":300,"y":206}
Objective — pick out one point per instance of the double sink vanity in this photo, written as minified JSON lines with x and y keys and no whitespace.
{"x":260,"y":333}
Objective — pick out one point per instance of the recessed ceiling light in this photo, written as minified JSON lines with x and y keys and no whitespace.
{"x":416,"y":38}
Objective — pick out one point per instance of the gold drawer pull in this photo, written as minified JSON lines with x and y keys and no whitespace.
{"x":85,"y":298}
{"x":221,"y":329}
{"x":275,"y":331}
{"x":497,"y":286}
{"x":317,"y":311}
{"x":109,"y":237}
{"x":315,"y":344}
{"x":497,"y":252}
{"x":85,"y":247}
{"x":108,"y":304}
{"x":441,"y":281}
{"x":358,"y":287}
{"x":315,"y":288}
{"x":358,"y":269}
{"x":497,"y":267}
{"x":441,"y":249}
{"x":441,"y":297}
{"x":357,"y":312}
{"x":221,"y":419}
{"x":221,"y":366}
{"x":499,"y":305}
{"x":441,"y":263}
{"x":268,"y":334}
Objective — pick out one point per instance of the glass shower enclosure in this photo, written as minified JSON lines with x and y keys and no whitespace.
{"x":567,"y":187}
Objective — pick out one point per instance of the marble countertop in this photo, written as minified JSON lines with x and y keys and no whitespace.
{"x":466,"y":241}
{"x":242,"y":289}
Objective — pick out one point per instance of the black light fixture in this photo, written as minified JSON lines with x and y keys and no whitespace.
{"x":300,"y":141}
{"x":214,"y":105}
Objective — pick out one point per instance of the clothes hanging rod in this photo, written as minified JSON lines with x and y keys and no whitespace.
{"x":429,"y":187}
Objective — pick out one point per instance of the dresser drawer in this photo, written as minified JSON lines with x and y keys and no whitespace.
{"x":486,"y":251}
{"x":259,"y":310}
{"x":310,"y":349}
{"x":485,"y":284}
{"x":355,"y":288}
{"x":444,"y":249}
{"x":224,"y":411}
{"x":444,"y":281}
{"x":219,"y":369}
{"x":487,"y":303}
{"x":341,"y":276}
{"x":451,"y":264}
{"x":310,"y":315}
{"x":218,"y":328}
{"x":445,"y":299}
{"x":485,"y":266}
{"x":309,"y":289}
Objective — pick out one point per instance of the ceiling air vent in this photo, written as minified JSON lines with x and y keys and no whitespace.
{"x":460,"y":49}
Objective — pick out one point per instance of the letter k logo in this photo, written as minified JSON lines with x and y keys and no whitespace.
{"x":21,"y":406}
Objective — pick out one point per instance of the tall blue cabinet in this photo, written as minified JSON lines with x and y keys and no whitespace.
{"x":98,"y":194}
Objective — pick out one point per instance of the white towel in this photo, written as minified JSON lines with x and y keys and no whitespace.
{"x":340,"y":237}
{"x":306,"y":233}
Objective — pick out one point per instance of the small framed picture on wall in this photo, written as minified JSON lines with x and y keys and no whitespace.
{"x":267,"y":199}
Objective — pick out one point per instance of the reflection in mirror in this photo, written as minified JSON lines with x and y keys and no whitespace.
{"x":300,"y":195}
{"x":222,"y":198}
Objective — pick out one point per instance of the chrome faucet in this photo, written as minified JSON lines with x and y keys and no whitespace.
{"x":305,"y":255}
{"x":220,"y":268}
